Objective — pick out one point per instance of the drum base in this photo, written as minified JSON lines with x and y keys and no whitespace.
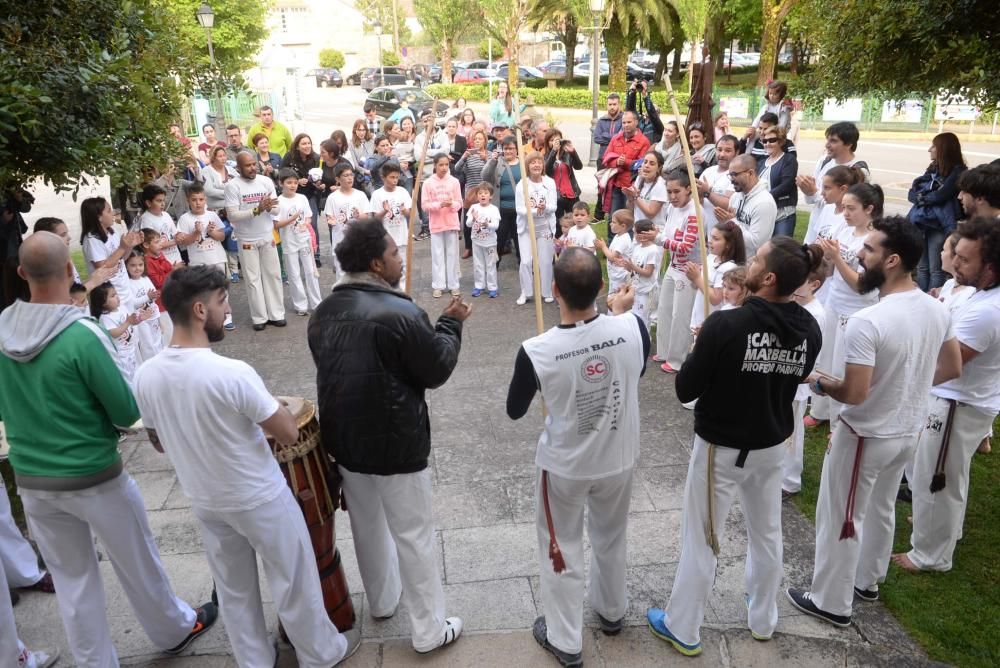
{"x":336,"y":597}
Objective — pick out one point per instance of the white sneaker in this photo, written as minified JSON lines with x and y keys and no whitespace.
{"x":522,"y":300}
{"x":39,"y":658}
{"x":353,"y":638}
{"x":548,"y":300}
{"x":690,"y":405}
{"x":452,"y":629}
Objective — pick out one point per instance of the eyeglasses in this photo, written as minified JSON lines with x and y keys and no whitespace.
{"x":733,"y":175}
{"x":769,"y":140}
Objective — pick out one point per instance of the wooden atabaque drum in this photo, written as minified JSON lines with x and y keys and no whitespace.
{"x":316,"y":487}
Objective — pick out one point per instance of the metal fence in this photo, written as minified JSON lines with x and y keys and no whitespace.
{"x":241,"y":109}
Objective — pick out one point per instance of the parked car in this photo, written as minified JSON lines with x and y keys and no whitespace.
{"x":386,"y":100}
{"x":553,"y":67}
{"x":466,"y":76}
{"x":637,"y":72}
{"x":327,"y":76}
{"x":523,"y":72}
{"x":583,"y":69}
{"x":434,"y":73}
{"x":355,"y":79}
{"x":385,"y":76}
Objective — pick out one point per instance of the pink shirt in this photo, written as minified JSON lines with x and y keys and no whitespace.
{"x":436,"y":190}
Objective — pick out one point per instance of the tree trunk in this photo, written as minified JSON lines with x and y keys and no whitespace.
{"x":513,"y":57}
{"x":618,"y":46}
{"x":446,"y":48}
{"x":795,"y":58}
{"x":395,"y":27}
{"x":768,"y":46}
{"x":571,"y":33}
{"x":661,"y":64}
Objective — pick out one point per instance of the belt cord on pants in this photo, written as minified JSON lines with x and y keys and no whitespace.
{"x":937,"y":480}
{"x":713,"y":541}
{"x":847,"y":531}
{"x":555,"y":554}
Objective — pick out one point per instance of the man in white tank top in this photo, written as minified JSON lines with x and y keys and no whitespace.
{"x":587,"y":370}
{"x":889,"y":373}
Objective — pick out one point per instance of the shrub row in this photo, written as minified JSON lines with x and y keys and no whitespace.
{"x":567,"y":97}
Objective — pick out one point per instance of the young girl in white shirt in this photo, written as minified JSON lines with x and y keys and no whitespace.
{"x":835,"y":185}
{"x":644,"y":264}
{"x":484,"y":220}
{"x":148,"y":334}
{"x":734,"y":288}
{"x":114,"y":317}
{"x":728,"y":252}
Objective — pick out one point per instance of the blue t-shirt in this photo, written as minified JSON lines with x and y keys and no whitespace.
{"x":507,"y":188}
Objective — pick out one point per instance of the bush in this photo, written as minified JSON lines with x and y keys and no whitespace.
{"x":571,"y":97}
{"x":331,"y":58}
{"x":390,"y":58}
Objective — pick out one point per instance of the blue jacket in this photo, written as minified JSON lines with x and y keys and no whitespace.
{"x":606,"y":129}
{"x":783,"y":173}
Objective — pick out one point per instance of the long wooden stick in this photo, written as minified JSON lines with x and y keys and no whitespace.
{"x":413,"y":205}
{"x":694,"y":189}
{"x":536,"y":264}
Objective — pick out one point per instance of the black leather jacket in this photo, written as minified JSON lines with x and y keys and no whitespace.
{"x":376,"y":353}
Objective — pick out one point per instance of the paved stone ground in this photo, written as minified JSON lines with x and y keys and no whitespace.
{"x":483,"y":468}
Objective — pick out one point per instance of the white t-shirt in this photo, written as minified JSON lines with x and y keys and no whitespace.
{"x":622,"y":244}
{"x":818,"y":311}
{"x":681,"y":227}
{"x":244,"y":195}
{"x":125,"y":342}
{"x":207,"y":250}
{"x":95,"y":250}
{"x":715,"y":273}
{"x":163,"y":224}
{"x":840,"y":297}
{"x":719,"y":183}
{"x":484,"y":221}
{"x":954,"y":296}
{"x":904,"y":359}
{"x":294,"y":237}
{"x":821,"y":225}
{"x":582,"y":237}
{"x":656,"y":192}
{"x":395,"y":223}
{"x":977,"y":326}
{"x":141,"y":287}
{"x":343,"y":209}
{"x":589,"y":378}
{"x":208,"y":423}
{"x":542,"y":192}
{"x":643,"y":256}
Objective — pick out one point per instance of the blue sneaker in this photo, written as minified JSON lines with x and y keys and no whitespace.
{"x":234,"y":277}
{"x":493,"y":294}
{"x":656,"y":618}
{"x":476,"y":292}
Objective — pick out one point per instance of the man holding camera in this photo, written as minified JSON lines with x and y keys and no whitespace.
{"x":637,"y":99}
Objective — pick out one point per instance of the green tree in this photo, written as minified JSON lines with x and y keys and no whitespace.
{"x":897,"y":49}
{"x":331,"y":58}
{"x":88,"y":89}
{"x":774,"y":14}
{"x":632,"y":21}
{"x":563,"y":18}
{"x":387,"y":12}
{"x":390,"y":58}
{"x":239,"y":31}
{"x":445,"y":21}
{"x":504,"y":20}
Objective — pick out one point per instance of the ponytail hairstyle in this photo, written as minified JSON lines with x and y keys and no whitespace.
{"x":842,"y":175}
{"x":736,"y":249}
{"x":870,"y":195}
{"x":791,"y":263}
{"x":91,"y":210}
{"x":98,"y":298}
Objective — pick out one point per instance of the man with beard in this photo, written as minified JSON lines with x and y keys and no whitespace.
{"x":979,"y":191}
{"x":890,"y":370}
{"x":714,"y":186}
{"x":752,"y":207}
{"x":745,"y":368}
{"x":211,"y":425}
{"x":961,"y":410}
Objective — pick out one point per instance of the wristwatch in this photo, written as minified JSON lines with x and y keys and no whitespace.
{"x":817,"y":388}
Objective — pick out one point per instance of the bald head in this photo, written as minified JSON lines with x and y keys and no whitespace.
{"x":743,"y":173}
{"x":44,"y":258}
{"x":741,"y":162}
{"x":578,"y":277}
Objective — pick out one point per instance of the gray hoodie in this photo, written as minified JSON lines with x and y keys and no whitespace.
{"x":756,"y":212}
{"x":26,"y":328}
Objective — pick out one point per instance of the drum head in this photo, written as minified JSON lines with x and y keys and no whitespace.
{"x":301,"y":408}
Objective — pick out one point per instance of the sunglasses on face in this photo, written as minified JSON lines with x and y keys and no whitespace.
{"x":769,"y":140}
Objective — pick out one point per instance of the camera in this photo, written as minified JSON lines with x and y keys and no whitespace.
{"x":563,"y":142}
{"x":640,"y":85}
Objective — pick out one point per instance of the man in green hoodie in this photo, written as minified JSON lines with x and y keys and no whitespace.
{"x":63,"y":401}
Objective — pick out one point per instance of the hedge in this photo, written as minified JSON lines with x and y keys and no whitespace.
{"x":572,"y":97}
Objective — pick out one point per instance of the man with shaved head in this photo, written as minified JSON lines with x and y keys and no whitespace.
{"x":752,"y":207}
{"x":64,"y":400}
{"x":587,"y":370}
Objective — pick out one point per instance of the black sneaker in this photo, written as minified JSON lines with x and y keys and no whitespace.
{"x":259,"y":326}
{"x":207,"y":614}
{"x":803,"y":601}
{"x":278,"y":323}
{"x":610,"y":628}
{"x":319,"y":262}
{"x":868,"y":595}
{"x":904,"y":494}
{"x":539,"y":630}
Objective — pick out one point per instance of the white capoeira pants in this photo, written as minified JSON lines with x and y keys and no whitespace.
{"x":303,"y":282}
{"x":17,"y":557}
{"x":641,"y":306}
{"x":832,"y":360}
{"x":336,"y":236}
{"x":607,"y":502}
{"x":861,"y":561}
{"x":757,"y":484}
{"x":11,"y":647}
{"x":546,"y":255}
{"x":673,"y":319}
{"x":262,"y":274}
{"x":392,"y":520}
{"x":484,"y":266}
{"x":444,"y":260}
{"x":938,"y":516}
{"x":791,"y":465}
{"x":61,"y":523}
{"x":276,"y":531}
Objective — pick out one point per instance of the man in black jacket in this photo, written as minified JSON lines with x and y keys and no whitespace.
{"x":744,"y":370}
{"x":376,"y":354}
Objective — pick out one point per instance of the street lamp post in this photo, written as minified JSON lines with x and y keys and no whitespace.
{"x":597,"y":9}
{"x":206,"y":17}
{"x":377,"y":27}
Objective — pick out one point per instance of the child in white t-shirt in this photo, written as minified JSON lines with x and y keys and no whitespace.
{"x":344,"y":206}
{"x":645,"y":265}
{"x":728,"y":252}
{"x":148,"y":333}
{"x":734,"y":288}
{"x":78,"y":297}
{"x":120,"y":323}
{"x":581,"y":235}
{"x":484,"y":219}
{"x":791,"y":481}
{"x":565,"y":225}
{"x":154,"y":217}
{"x":293,"y":220}
{"x":620,"y":249}
{"x":391,"y":204}
{"x":203,"y":235}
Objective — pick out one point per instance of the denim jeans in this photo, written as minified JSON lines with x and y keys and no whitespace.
{"x":929,"y":273}
{"x":618,"y":201}
{"x":784,"y":226}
